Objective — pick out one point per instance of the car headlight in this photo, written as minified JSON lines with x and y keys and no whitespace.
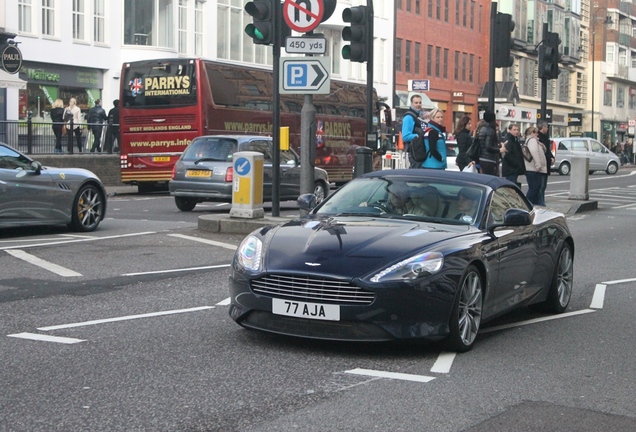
{"x":250,"y":253}
{"x":411,"y":268}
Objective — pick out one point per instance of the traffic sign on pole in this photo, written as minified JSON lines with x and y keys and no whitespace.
{"x":303,"y":15}
{"x":305,"y":75}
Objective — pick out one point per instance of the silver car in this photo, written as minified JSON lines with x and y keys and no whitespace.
{"x":601,"y":159}
{"x":31,"y":194}
{"x":204,"y":172}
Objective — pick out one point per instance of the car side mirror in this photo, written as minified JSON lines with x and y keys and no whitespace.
{"x":36,"y":167}
{"x":513,"y":217}
{"x":306,"y":202}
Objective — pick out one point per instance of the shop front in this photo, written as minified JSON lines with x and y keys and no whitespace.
{"x":559,"y":124}
{"x":48,"y":82}
{"x":509,"y":114}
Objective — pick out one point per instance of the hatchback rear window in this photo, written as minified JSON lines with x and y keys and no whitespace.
{"x":214,"y":149}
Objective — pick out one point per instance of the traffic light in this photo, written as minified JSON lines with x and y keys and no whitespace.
{"x":549,"y":57}
{"x":504,"y":25}
{"x":357,"y":34}
{"x":262,"y":30}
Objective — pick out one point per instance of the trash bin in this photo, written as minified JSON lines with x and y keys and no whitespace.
{"x":364,"y":161}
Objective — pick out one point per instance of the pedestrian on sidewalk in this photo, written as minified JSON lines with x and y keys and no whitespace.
{"x":535,"y":166}
{"x":512,"y":165}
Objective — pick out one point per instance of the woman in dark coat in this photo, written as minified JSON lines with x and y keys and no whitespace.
{"x":57,"y":117}
{"x":464,"y":140}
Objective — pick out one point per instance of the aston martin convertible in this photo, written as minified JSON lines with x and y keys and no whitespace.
{"x":31,"y":194}
{"x":404,"y":254}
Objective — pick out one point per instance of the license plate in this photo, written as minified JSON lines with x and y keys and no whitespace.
{"x":198,"y":173}
{"x":306,"y":310}
{"x":161,"y":159}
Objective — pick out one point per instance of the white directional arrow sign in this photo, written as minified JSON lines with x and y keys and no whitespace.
{"x":305,"y":75}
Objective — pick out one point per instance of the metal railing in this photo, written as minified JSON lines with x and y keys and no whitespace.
{"x":39,"y":137}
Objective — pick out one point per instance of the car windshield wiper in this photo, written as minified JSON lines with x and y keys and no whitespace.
{"x":196,"y":162}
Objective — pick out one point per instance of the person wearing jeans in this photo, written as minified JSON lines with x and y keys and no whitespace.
{"x":536,"y":167}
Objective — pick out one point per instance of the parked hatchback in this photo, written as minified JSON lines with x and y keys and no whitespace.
{"x":601,"y":159}
{"x":205,"y":171}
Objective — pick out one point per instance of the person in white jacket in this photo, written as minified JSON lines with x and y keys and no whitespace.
{"x":536,"y":166}
{"x":73,"y":112}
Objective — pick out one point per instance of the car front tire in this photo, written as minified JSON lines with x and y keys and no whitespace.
{"x":564,"y":168}
{"x":184,"y":203}
{"x":88,"y":209}
{"x":321,"y":191}
{"x":562,"y":281}
{"x":467,"y":310}
{"x":612,"y":168}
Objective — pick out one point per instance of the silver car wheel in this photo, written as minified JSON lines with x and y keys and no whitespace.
{"x":612,"y":168}
{"x":320,"y":192}
{"x":470,"y":308}
{"x":565,"y":277}
{"x":87,"y":210}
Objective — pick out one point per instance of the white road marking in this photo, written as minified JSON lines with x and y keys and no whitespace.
{"x":177,"y":270}
{"x":125,"y":318}
{"x":32,"y":259}
{"x":206,"y":241}
{"x":224,"y":302}
{"x":536,"y":320}
{"x":619,"y":281}
{"x":46,"y":338}
{"x":444,"y":362}
{"x":77,"y":240}
{"x":390,"y":375}
{"x":599,"y":297}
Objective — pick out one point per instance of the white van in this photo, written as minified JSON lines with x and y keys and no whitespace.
{"x":601,"y":159}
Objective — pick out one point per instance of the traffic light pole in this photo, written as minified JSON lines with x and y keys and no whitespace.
{"x":491,"y":68}
{"x":370,"y":68}
{"x":544,"y":81}
{"x":276,"y":111}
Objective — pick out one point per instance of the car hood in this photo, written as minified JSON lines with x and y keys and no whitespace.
{"x":348,"y":246}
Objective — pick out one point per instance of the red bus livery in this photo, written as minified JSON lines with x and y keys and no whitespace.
{"x":165,"y":104}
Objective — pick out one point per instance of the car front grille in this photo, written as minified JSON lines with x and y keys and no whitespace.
{"x":309,"y":289}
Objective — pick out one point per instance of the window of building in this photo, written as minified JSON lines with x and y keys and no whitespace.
{"x":198,"y":28}
{"x":632,"y":98}
{"x":472,"y":15}
{"x":417,"y":6}
{"x":24,"y":16}
{"x":438,"y":10}
{"x":418,"y":47}
{"x":429,"y":60}
{"x":527,"y":77}
{"x":408,"y":5}
{"x":438,"y":60}
{"x":471,"y":67}
{"x":446,"y":10}
{"x":79,"y":16}
{"x":380,"y":55}
{"x":620,"y":96}
{"x":465,"y":12}
{"x":398,"y":55}
{"x":457,"y":3}
{"x":407,"y":57}
{"x":334,"y":38}
{"x":456,"y":75}
{"x":430,"y":8}
{"x":182,"y":31}
{"x":445,"y":62}
{"x":149,"y":22}
{"x":48,"y":17}
{"x":232,"y":42}
{"x":609,"y":53}
{"x":608,"y":91}
{"x":99,"y":21}
{"x":464,"y":66}
{"x":563,"y":82}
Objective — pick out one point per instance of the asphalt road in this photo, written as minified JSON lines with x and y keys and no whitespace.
{"x":137,"y":338}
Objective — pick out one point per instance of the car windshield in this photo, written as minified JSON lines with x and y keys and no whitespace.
{"x":212,"y":149}
{"x":408,"y":198}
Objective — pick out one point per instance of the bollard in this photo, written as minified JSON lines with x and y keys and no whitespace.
{"x":579,"y":179}
{"x":364,"y":161}
{"x":29,"y":132}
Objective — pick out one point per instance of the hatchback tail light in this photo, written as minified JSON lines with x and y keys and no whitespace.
{"x":174,"y":171}
{"x":229,"y":173}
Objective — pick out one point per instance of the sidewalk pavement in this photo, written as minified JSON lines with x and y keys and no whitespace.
{"x":223,"y":223}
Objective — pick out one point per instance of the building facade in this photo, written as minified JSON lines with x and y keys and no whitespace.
{"x":76,"y":48}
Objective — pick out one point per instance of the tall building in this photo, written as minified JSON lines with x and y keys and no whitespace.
{"x":76,"y":48}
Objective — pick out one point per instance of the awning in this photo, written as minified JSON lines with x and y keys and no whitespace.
{"x":403,"y":100}
{"x":8,"y":80}
{"x":505,"y":92}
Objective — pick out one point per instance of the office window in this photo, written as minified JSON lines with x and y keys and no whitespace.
{"x":456,"y":75}
{"x":418,"y":47}
{"x":463,"y":66}
{"x":149,"y":22}
{"x":407,"y":57}
{"x":446,"y":10}
{"x":472,"y":15}
{"x":429,"y":60}
{"x":430,"y":8}
{"x":470,"y":68}
{"x":336,"y":48}
{"x":620,"y":96}
{"x":182,"y":31}
{"x":457,"y":3}
{"x":79,"y":15}
{"x":438,"y":10}
{"x":632,"y":98}
{"x":609,"y":53}
{"x":438,"y":60}
{"x":408,"y":5}
{"x":417,"y":6}
{"x":608,"y":91}
{"x":232,"y":41}
{"x":445,"y":62}
{"x":99,"y":21}
{"x":465,"y":12}
{"x":398,"y":55}
{"x":48,"y":17}
{"x":198,"y":28}
{"x":24,"y":16}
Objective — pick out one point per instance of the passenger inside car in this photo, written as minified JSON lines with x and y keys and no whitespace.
{"x":426,"y":201}
{"x":467,"y":202}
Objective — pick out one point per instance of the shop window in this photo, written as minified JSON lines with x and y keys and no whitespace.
{"x":148,"y":22}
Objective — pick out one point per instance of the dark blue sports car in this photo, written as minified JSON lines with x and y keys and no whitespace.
{"x":404,"y":254}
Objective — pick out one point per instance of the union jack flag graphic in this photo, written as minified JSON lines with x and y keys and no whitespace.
{"x":136,"y":86}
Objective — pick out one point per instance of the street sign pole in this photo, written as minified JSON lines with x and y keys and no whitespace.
{"x":370,"y":70}
{"x":276,"y":111}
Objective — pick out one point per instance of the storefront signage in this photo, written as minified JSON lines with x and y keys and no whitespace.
{"x":42,"y":75}
{"x":575,"y":119}
{"x":62,"y":75}
{"x":11,"y":58}
{"x":458,"y":96}
{"x":515,"y":113}
{"x":419,"y":85}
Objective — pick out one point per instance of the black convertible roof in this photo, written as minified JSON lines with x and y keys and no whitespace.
{"x":441,"y":175}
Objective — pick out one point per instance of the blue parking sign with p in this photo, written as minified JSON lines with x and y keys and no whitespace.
{"x":296,"y":75}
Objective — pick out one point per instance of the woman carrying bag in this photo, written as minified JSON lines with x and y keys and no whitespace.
{"x":536,"y":166}
{"x":464,"y":141}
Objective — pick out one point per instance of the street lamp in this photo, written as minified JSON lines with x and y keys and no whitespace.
{"x":608,"y":20}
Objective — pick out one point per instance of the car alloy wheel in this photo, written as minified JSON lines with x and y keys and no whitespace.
{"x":466,"y":316}
{"x":320,"y":191}
{"x":612,"y":168}
{"x":564,"y":168}
{"x":88,"y":207}
{"x":562,"y":281}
